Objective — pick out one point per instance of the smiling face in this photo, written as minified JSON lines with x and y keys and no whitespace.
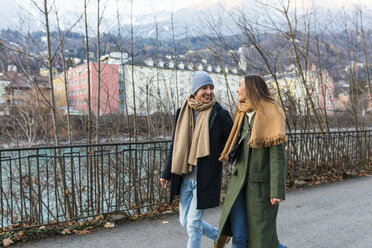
{"x":204,"y":94}
{"x":242,"y":92}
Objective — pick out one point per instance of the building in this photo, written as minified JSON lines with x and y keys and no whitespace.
{"x":321,"y":88}
{"x":115,"y":58}
{"x":5,"y":80}
{"x":146,"y":88}
{"x":342,"y":103}
{"x":60,"y":92}
{"x":163,"y":89}
{"x":109,"y":88}
{"x":24,"y":91}
{"x":45,"y":72}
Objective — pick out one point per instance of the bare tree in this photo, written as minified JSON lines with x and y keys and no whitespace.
{"x":88,"y":73}
{"x":320,"y":74}
{"x":175,"y":59}
{"x":64,"y":78}
{"x":122,"y":70}
{"x":98,"y":71}
{"x":132,"y":68}
{"x":365,"y":53}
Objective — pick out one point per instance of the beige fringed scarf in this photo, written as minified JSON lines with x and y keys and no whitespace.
{"x":191,"y":143}
{"x":268,"y":127}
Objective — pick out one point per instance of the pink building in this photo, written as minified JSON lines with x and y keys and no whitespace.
{"x":323,"y":90}
{"x":109,"y":90}
{"x":326,"y":93}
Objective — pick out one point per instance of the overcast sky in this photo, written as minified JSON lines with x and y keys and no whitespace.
{"x":70,"y":10}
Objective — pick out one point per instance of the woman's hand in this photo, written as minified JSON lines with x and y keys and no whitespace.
{"x":275,"y":201}
{"x":164,"y":182}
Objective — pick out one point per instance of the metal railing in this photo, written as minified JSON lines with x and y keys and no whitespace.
{"x":48,"y":185}
{"x":328,"y":154}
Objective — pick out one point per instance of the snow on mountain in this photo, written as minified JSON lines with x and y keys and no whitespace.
{"x":197,"y":15}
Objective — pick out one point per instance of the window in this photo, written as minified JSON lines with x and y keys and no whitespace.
{"x":18,"y":92}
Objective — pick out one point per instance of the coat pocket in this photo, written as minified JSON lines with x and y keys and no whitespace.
{"x":260,"y":182}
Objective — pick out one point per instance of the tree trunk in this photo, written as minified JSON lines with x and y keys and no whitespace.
{"x":54,"y":115}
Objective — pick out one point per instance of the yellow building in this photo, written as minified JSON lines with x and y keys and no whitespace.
{"x":45,"y":72}
{"x":288,"y":84}
{"x":60,"y":91}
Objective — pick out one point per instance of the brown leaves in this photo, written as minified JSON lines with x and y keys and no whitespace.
{"x":7,"y":242}
{"x":83,"y":227}
{"x":97,"y":219}
{"x":82,"y":232}
{"x":66,"y":228}
{"x":20,"y":235}
{"x":109,"y":225}
{"x":66,"y":231}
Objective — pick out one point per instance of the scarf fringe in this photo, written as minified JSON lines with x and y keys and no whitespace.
{"x":267,"y":142}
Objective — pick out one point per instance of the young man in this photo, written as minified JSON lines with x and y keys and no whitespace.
{"x":200,"y":133}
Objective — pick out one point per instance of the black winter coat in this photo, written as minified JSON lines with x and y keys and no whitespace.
{"x":209,"y":171}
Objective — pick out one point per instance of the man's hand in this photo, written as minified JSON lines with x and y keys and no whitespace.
{"x":275,"y":201}
{"x":164,"y":182}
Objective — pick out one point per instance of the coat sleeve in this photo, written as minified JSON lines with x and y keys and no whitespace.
{"x":166,"y":174}
{"x":227,"y":123}
{"x":278,"y":171}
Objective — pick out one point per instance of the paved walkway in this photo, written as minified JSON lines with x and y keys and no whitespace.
{"x":328,"y":216}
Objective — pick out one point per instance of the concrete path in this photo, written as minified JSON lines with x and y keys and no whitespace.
{"x":328,"y":216}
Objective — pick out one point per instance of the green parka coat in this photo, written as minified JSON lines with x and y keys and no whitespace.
{"x":261,"y":172}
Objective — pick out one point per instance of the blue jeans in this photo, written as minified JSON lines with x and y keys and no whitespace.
{"x":238,"y":219}
{"x":191,"y":218}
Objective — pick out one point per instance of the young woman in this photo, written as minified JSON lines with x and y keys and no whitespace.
{"x":257,"y":184}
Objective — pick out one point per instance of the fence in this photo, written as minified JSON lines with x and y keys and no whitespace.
{"x":328,"y":154}
{"x":47,"y":185}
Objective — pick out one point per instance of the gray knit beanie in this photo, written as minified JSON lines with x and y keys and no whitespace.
{"x":200,"y":79}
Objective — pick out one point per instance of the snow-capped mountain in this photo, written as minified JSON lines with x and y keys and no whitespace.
{"x":200,"y":16}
